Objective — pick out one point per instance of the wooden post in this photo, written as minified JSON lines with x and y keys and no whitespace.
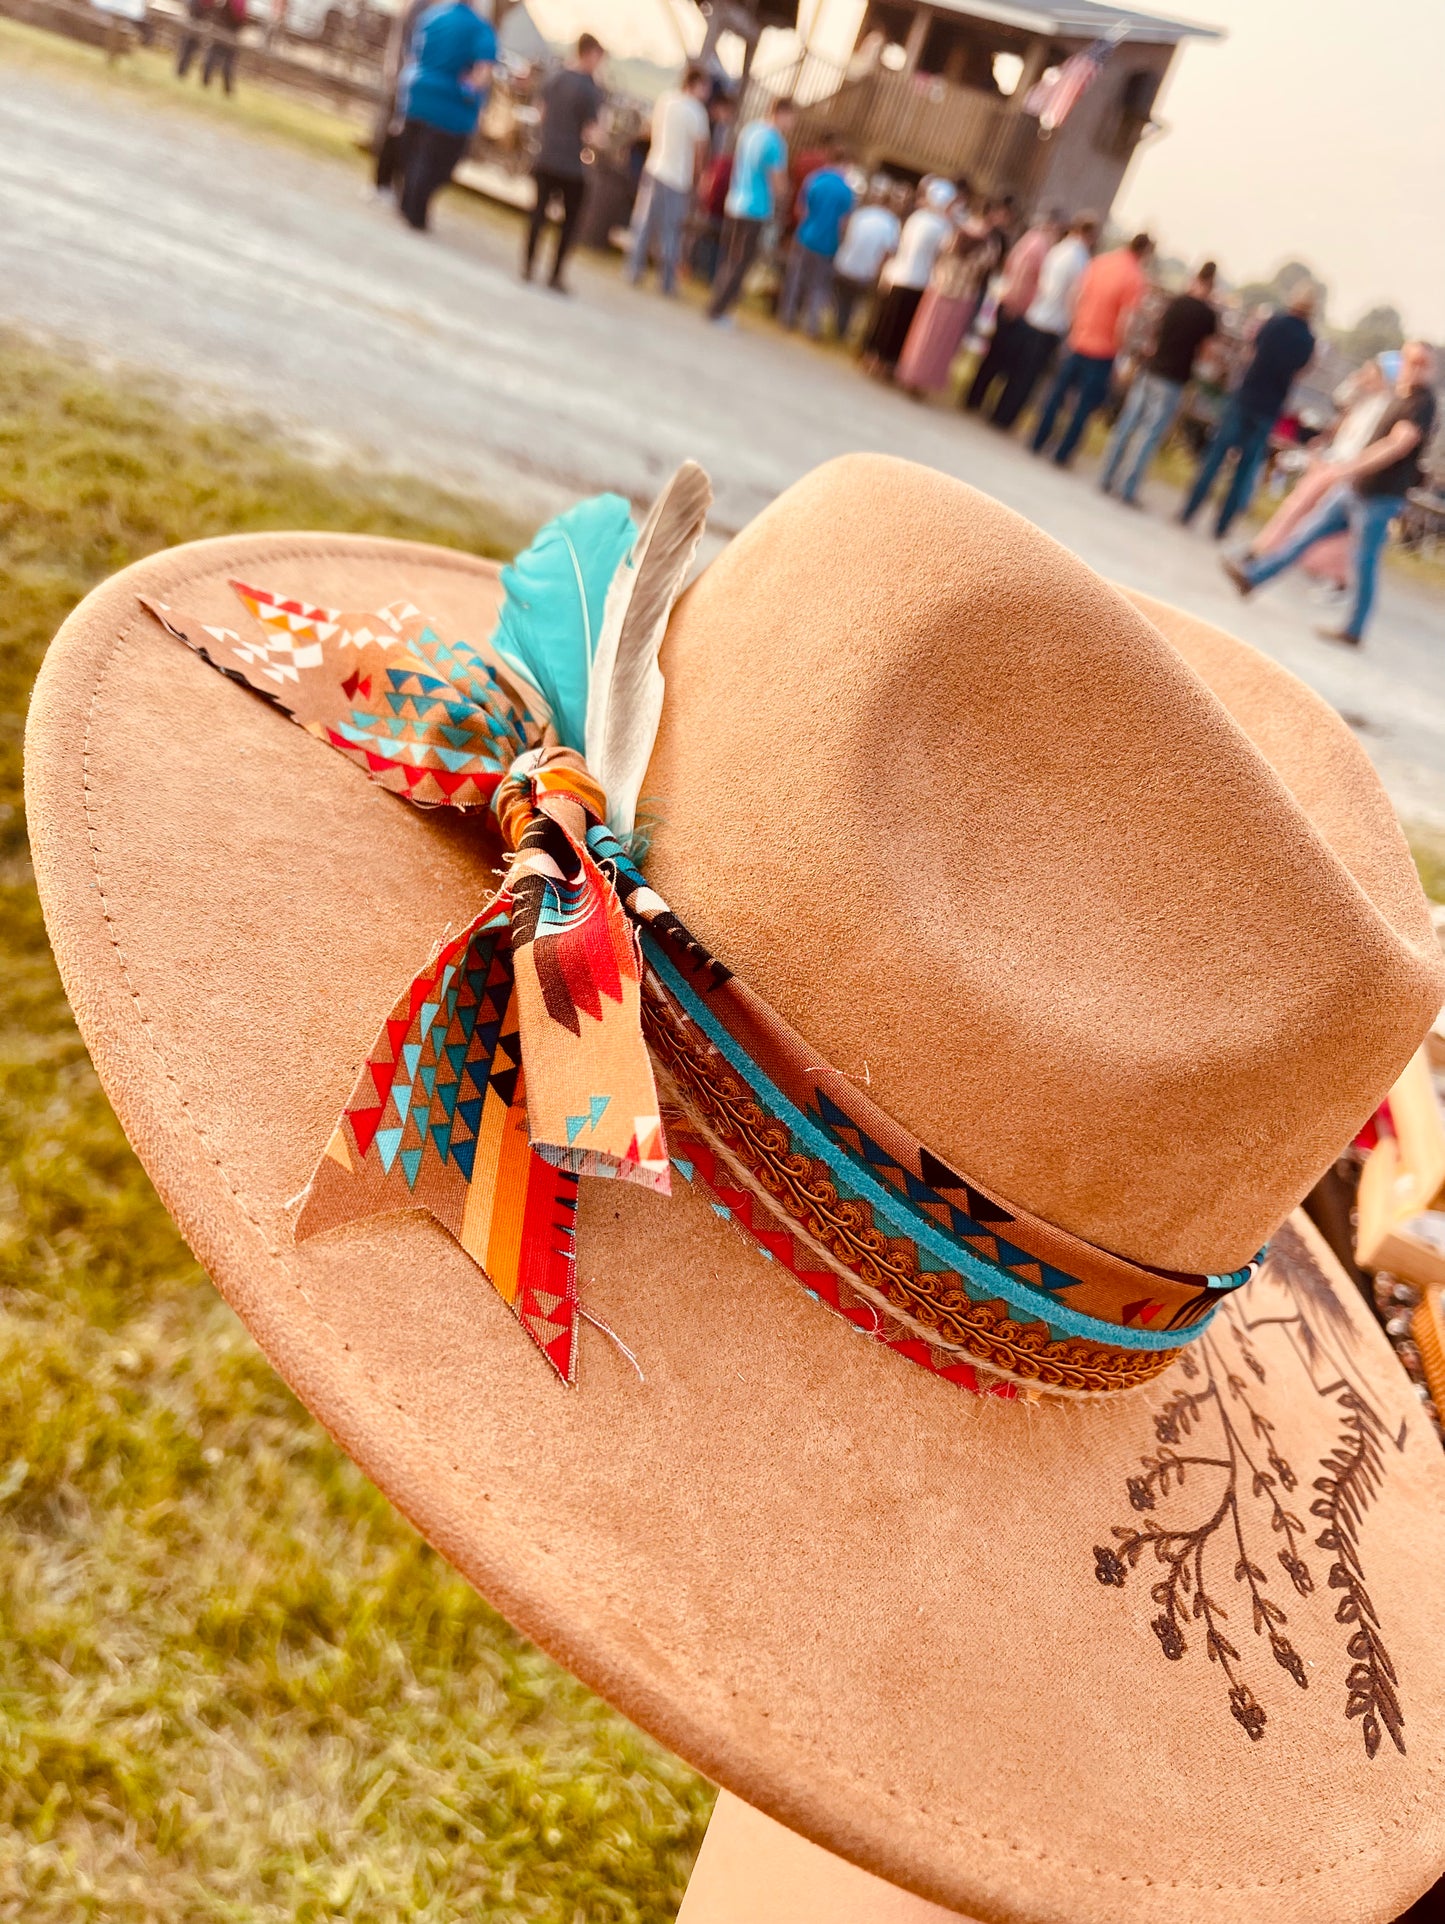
{"x":1035,"y":61}
{"x":917,"y":34}
{"x":753,"y":1871}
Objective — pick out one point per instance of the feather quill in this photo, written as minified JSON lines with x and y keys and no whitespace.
{"x":556,"y":592}
{"x":624,"y":702}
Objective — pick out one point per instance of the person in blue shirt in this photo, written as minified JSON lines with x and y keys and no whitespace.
{"x":443,"y":86}
{"x":760,"y":178}
{"x":826,"y":201}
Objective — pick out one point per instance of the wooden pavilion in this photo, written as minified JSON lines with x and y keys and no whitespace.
{"x":944,"y":86}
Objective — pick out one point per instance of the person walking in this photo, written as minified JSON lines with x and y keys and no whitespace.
{"x":1376,"y":484}
{"x":1158,"y":387}
{"x":1017,"y":287}
{"x":1110,"y":291}
{"x":215,"y":25}
{"x":868,"y":240}
{"x":391,"y":127}
{"x":955,"y":288}
{"x":442,"y":85}
{"x":571,"y":103}
{"x":825,"y":203}
{"x":199,"y":14}
{"x":757,"y":189}
{"x":227,"y":19}
{"x":1362,"y":399}
{"x":675,"y":161}
{"x":1283,"y":349}
{"x":1048,"y":316}
{"x":925,"y":233}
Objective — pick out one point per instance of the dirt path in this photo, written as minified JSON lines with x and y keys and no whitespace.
{"x":262,"y":276}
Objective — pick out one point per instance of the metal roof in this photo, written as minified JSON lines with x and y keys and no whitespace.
{"x":1082,"y":20}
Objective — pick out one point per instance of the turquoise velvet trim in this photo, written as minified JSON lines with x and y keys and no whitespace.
{"x":991,"y":1281}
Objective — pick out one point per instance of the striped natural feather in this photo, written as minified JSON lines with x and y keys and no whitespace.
{"x":624,"y":699}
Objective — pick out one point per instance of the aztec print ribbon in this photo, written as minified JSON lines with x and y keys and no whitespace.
{"x":518,"y":1060}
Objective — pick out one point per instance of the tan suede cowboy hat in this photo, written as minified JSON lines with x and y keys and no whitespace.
{"x":1070,"y":939}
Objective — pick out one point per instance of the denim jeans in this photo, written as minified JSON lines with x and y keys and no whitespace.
{"x":1087,"y":375}
{"x":1246,"y":434}
{"x":663,"y":217}
{"x":741,"y":240}
{"x":1367,"y":517}
{"x":807,"y":286}
{"x":1147,"y":414}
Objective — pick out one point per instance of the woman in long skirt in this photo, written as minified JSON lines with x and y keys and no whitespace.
{"x":946,"y":311}
{"x":923,"y":236}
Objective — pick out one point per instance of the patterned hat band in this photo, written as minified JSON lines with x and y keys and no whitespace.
{"x":838,"y":1191}
{"x":521,"y":1057}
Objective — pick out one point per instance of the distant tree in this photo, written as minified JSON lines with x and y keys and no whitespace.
{"x":1281,"y":285}
{"x":1376,"y":331}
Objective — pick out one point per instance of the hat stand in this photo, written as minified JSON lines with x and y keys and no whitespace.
{"x":751,"y":1870}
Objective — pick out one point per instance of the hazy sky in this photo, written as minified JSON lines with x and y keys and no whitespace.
{"x":1316,"y":129}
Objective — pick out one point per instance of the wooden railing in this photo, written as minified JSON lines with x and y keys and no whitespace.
{"x":915,"y":121}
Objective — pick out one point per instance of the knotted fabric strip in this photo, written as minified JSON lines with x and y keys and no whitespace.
{"x":521,"y":1057}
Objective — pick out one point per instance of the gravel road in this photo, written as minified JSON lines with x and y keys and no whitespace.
{"x":261,"y":275}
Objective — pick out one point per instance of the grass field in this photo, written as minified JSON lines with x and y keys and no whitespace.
{"x":234,"y":1684}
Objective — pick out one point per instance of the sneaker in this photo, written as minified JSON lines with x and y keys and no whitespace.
{"x":1237,"y":575}
{"x":1339,"y":634}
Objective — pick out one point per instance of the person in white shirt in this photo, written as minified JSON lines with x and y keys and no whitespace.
{"x":674,"y":164}
{"x":868,"y":240}
{"x":924,"y":233}
{"x":1047,"y":319}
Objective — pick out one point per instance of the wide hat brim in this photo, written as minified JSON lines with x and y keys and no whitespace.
{"x":912,"y":1624}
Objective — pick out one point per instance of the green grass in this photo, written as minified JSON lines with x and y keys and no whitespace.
{"x":234,"y":1684}
{"x":1427,"y":845}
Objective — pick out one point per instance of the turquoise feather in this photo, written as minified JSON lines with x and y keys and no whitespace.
{"x":552,"y":614}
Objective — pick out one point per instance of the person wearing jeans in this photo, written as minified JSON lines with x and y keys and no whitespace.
{"x":1146,"y":416}
{"x":1085,"y":379}
{"x":1111,"y":288}
{"x":675,"y":160}
{"x":759,"y":179}
{"x":442,"y":88}
{"x":1158,"y":387}
{"x":1283,"y":349}
{"x":1244,"y":433}
{"x":824,"y":205}
{"x":807,"y":288}
{"x":1367,"y":518}
{"x":1371,"y":494}
{"x":1035,"y":338}
{"x":1017,"y":287}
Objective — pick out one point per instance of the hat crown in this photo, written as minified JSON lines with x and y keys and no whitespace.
{"x":963,"y":816}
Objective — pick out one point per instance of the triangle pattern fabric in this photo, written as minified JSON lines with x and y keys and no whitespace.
{"x":512,"y":1210}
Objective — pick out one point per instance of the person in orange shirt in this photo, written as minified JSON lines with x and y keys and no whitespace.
{"x":1111,"y":289}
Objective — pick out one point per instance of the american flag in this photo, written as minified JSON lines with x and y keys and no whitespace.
{"x":1054,"y":98}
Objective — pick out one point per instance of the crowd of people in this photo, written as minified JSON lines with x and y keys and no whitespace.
{"x":911,"y":275}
